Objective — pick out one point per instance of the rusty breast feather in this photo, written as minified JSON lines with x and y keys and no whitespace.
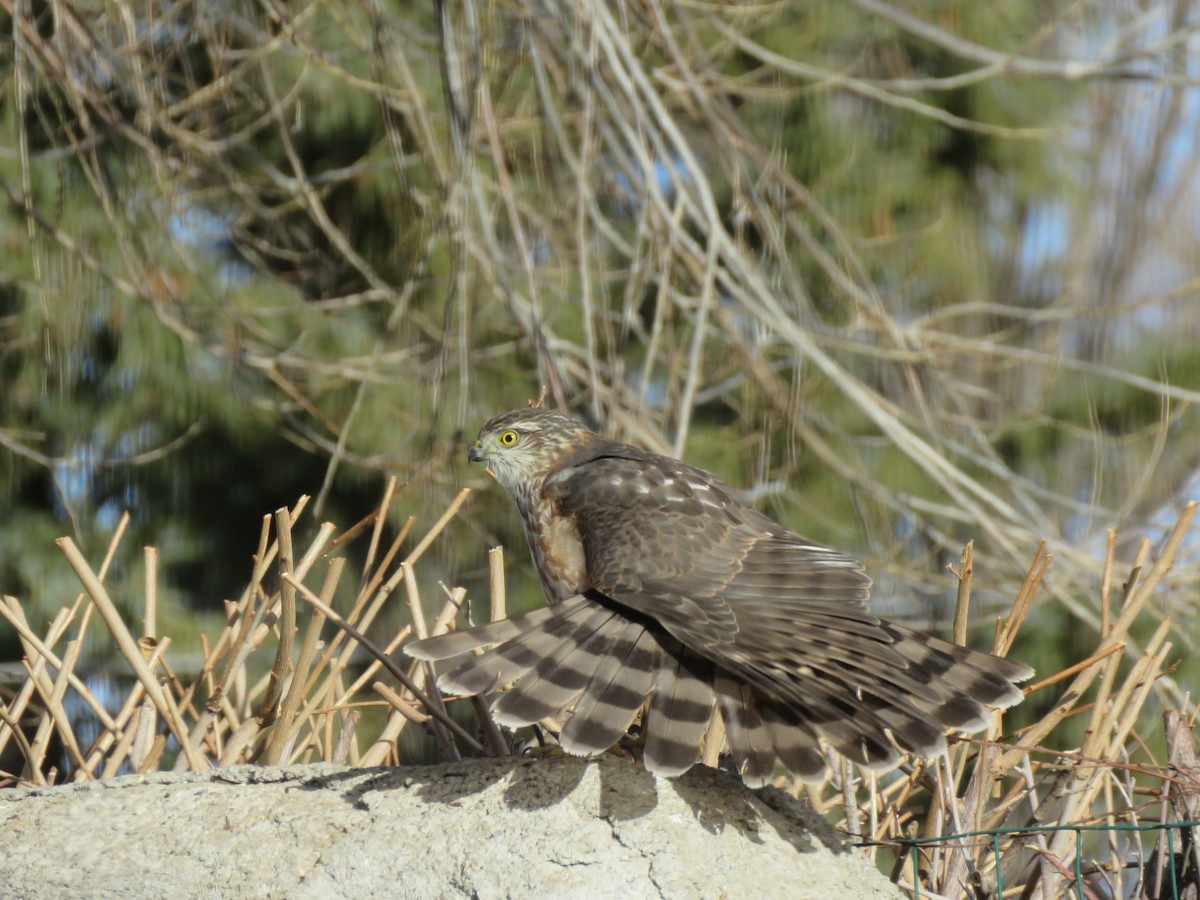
{"x":555,"y":545}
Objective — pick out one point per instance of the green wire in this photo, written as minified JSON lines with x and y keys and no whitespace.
{"x":1079,"y":864}
{"x":996,"y":833}
{"x":1171,"y":864}
{"x":999,"y":873}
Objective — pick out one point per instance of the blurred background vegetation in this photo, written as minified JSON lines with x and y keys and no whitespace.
{"x":910,"y":273}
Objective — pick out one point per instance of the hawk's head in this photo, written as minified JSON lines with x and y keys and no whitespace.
{"x":526,"y":444}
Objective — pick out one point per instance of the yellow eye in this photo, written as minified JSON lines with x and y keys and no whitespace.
{"x":509,"y":438}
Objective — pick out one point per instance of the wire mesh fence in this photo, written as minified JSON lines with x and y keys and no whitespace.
{"x":1155,"y":879}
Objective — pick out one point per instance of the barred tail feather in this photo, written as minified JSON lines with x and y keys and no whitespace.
{"x":680,"y":710}
{"x":617,"y":690}
{"x":560,"y":676}
{"x":841,"y":718}
{"x":747,"y":734}
{"x":604,"y":663}
{"x":511,"y":660}
{"x":796,"y":744}
{"x":867,"y":710}
{"x":456,"y":643}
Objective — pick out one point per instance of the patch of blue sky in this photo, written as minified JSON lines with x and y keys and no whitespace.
{"x":204,"y":230}
{"x":666,"y":176}
{"x":74,"y":478}
{"x":1179,"y":160}
{"x":1044,"y":243}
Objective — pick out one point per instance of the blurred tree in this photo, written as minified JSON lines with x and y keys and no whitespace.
{"x":911,"y":275}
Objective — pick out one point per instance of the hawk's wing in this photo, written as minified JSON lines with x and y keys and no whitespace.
{"x":670,"y":541}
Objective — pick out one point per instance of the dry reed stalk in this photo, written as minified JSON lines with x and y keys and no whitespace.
{"x":236,"y":612}
{"x":239,"y":742}
{"x":287,"y":620}
{"x":496,"y":583}
{"x":16,"y":709}
{"x":345,"y":743}
{"x":380,"y":518}
{"x":281,"y":733}
{"x":361,"y":615}
{"x":351,"y":533}
{"x":373,"y":584}
{"x":54,"y":703}
{"x":1138,"y":597}
{"x":34,"y":646}
{"x":1054,"y":786}
{"x":154,"y":756}
{"x":1075,"y":669}
{"x":425,"y":669}
{"x":150,"y":607}
{"x":49,"y":718}
{"x":241,"y":701}
{"x":714,"y":741}
{"x":18,"y":737}
{"x":136,"y":744}
{"x":1007,"y":631}
{"x":382,"y":747}
{"x":368,"y":674}
{"x":497,"y":744}
{"x":849,"y":788}
{"x":1110,"y":558}
{"x":438,"y":526}
{"x":246,"y":614}
{"x":392,"y":668}
{"x":318,"y":548}
{"x":962,"y":604}
{"x":1112,"y":840}
{"x":1071,"y":797}
{"x":400,"y":704}
{"x":173,"y":684}
{"x":129,"y":648}
{"x":957,"y":864}
{"x":110,"y":736}
{"x":263,"y":559}
{"x":450,"y":609}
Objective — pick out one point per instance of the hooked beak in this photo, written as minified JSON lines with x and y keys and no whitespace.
{"x":475,"y":454}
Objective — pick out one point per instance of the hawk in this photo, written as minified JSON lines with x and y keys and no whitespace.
{"x":667,"y":592}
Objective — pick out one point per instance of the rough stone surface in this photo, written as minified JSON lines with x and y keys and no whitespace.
{"x":524,"y":828}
